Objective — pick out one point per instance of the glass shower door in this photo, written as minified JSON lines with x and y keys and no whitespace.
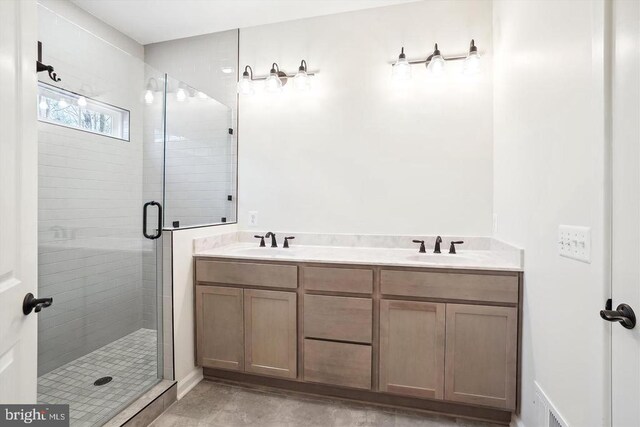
{"x":101,"y":158}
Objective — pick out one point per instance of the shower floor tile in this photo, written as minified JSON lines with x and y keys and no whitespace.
{"x":131,"y":361}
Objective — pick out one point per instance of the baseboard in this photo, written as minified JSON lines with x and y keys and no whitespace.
{"x":190,"y":381}
{"x":517,"y":422}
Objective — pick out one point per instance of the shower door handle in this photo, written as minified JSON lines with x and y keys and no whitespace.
{"x":144,"y":220}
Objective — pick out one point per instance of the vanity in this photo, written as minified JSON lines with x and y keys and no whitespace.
{"x":396,"y":327}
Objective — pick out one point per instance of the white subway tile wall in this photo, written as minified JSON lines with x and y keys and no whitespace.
{"x":200,"y":162}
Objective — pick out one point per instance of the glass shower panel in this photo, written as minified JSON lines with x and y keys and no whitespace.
{"x":98,"y":343}
{"x":200,"y":158}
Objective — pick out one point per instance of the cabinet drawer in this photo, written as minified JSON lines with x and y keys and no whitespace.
{"x":471,"y":287}
{"x":341,"y":364}
{"x":358,"y":281}
{"x":245,"y":273}
{"x":338,"y":318}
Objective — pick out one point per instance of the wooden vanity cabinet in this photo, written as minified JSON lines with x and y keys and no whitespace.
{"x":481,"y":358}
{"x":247,"y":330}
{"x":219,"y":317}
{"x":244,"y":329}
{"x":270,"y":333}
{"x":442,"y":340}
{"x":412,"y":347}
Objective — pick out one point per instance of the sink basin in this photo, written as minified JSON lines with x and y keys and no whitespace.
{"x":442,"y":258}
{"x":263,"y":251}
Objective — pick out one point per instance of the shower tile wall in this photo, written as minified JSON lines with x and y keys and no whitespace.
{"x":90,"y":250}
{"x":199,"y":165}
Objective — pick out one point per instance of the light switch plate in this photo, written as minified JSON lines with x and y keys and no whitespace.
{"x":575,"y":242}
{"x":253,"y":219}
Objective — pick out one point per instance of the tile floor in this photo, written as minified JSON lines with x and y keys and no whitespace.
{"x":131,"y":361}
{"x":220,"y":404}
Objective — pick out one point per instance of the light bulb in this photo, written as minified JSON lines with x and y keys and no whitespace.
{"x":202,"y":95}
{"x":181,"y":94}
{"x":472,"y":61}
{"x":43,"y":103}
{"x":436,"y":64}
{"x":273,"y":84}
{"x":63,"y":103}
{"x":82,"y":101}
{"x":302,"y":81}
{"x":148,"y":96}
{"x":401,"y":69}
{"x":245,"y":84}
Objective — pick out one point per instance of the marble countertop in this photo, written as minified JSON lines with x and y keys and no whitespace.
{"x":502,"y":258}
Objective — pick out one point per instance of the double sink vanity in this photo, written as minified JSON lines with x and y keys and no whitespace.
{"x":366,"y":318}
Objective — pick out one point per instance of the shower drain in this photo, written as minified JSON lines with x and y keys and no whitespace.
{"x":103,"y":381}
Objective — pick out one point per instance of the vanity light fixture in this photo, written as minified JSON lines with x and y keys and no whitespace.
{"x":302,"y":81}
{"x":472,"y":61}
{"x":245,"y":84}
{"x":274,"y":83}
{"x":276,"y":79}
{"x":82,"y":101}
{"x":435,"y":62}
{"x":401,"y":69}
{"x":63,"y":103}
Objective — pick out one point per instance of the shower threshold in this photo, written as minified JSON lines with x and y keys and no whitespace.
{"x":130,"y":361}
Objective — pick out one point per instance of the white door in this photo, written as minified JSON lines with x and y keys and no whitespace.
{"x":18,"y":200}
{"x":625,"y":351}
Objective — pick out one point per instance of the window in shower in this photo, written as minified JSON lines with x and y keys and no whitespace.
{"x":65,"y":108}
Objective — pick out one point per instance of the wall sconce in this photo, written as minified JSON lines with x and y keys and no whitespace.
{"x":435,"y":63}
{"x":276,"y":79}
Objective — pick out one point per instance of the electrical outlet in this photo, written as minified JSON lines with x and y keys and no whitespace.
{"x":575,"y":242}
{"x":253,"y":219}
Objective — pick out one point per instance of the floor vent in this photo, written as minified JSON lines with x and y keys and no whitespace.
{"x":547,"y":414}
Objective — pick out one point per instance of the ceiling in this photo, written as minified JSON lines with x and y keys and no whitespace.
{"x":151,"y":21}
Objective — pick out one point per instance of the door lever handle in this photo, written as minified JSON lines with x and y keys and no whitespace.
{"x":31,"y":303}
{"x":623,"y":314}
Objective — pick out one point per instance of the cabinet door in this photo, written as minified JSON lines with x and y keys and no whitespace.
{"x":219,"y":327}
{"x":481,"y":357}
{"x":412,"y":348}
{"x":270,"y":333}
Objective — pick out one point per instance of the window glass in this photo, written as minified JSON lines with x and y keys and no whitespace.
{"x":65,"y":108}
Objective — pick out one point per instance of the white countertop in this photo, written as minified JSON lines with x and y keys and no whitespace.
{"x":485,"y":259}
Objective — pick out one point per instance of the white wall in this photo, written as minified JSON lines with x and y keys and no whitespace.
{"x":186,"y":372}
{"x":549,"y":169}
{"x":360,"y":154}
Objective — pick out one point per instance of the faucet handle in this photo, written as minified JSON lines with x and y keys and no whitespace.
{"x":452,"y":248}
{"x":286,"y":241}
{"x":262,"y":245}
{"x":422,"y":248}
